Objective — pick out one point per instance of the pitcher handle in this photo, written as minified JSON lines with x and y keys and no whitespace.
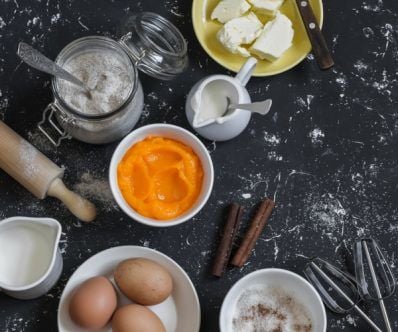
{"x":246,"y":71}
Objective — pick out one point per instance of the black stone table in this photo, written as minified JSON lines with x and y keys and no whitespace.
{"x":327,"y":152}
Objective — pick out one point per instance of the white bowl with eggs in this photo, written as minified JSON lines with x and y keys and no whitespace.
{"x":248,"y":291}
{"x":180,"y":312}
{"x":172,"y":132}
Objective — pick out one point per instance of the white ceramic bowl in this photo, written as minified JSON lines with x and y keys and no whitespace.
{"x":180,"y":312}
{"x":291,"y":283}
{"x":178,"y":134}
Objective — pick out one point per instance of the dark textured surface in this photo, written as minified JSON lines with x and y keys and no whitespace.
{"x":327,"y":151}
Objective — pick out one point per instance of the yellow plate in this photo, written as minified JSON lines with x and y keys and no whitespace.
{"x":206,"y":30}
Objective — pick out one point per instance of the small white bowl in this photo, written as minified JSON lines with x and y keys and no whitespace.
{"x":180,"y":312}
{"x":178,"y":134}
{"x":290,"y":282}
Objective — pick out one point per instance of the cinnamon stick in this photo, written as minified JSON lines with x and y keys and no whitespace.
{"x":254,"y":232}
{"x":229,"y":232}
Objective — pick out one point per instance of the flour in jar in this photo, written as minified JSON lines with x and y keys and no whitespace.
{"x":102,"y":72}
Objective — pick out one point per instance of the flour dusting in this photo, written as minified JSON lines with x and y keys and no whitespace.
{"x":16,"y":323}
{"x":271,"y":139}
{"x":96,"y":189}
{"x":27,"y":156}
{"x":317,"y":136}
{"x":2,"y":23}
{"x":325,"y":214}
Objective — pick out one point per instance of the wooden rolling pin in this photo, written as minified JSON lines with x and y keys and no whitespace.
{"x":38,"y":174}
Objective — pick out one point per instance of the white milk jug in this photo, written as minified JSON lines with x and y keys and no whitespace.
{"x":30,"y":261}
{"x":207,"y":102}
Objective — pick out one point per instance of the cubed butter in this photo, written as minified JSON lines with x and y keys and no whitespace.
{"x":226,"y":10}
{"x":269,"y":7}
{"x":240,"y":31}
{"x":275,"y":38}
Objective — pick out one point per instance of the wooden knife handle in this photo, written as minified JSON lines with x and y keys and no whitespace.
{"x":319,"y":46}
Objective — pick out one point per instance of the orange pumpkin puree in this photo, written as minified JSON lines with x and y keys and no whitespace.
{"x":160,"y":178}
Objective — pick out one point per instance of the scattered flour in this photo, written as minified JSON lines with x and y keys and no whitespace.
{"x":27,"y":156}
{"x":274,"y":156}
{"x":368,"y":32}
{"x":16,"y":323}
{"x":145,"y":243}
{"x":376,"y":6}
{"x":393,"y":228}
{"x":63,"y":243}
{"x":3,"y":106}
{"x":153,"y":95}
{"x":317,"y":136}
{"x":96,"y":189}
{"x":360,"y":66}
{"x":341,"y":80}
{"x":85,"y":27}
{"x":2,"y":23}
{"x":55,"y":18}
{"x":325,"y":213}
{"x":173,"y":7}
{"x":3,"y":102}
{"x":38,"y":139}
{"x":271,"y":139}
{"x":305,"y":103}
{"x":35,"y":20}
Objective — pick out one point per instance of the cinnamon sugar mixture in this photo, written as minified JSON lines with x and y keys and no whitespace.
{"x":270,"y":309}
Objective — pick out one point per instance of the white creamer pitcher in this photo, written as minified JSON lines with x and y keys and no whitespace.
{"x":30,"y":261}
{"x":207,"y":103}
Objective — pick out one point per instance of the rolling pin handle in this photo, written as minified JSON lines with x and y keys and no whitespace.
{"x":80,"y":207}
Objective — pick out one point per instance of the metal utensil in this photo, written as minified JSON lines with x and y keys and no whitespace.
{"x":337,"y":289}
{"x":39,"y":61}
{"x":261,"y":107}
{"x":375,"y":279}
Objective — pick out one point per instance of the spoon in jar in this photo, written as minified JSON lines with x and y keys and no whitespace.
{"x":39,"y":61}
{"x":260,"y":107}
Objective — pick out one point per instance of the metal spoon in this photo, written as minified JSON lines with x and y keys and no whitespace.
{"x":39,"y":61}
{"x":261,"y":107}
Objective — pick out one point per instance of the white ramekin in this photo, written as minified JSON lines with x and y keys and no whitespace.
{"x":168,"y":131}
{"x":290,"y":282}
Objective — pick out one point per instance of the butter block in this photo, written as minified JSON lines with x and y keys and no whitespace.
{"x":240,"y":31}
{"x":226,"y":10}
{"x":269,"y":7}
{"x":275,"y":38}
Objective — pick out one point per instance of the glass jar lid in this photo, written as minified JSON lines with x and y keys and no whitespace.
{"x":155,"y":44}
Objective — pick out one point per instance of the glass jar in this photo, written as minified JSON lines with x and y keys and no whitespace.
{"x":151,"y":44}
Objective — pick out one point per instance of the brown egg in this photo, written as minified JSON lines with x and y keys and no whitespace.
{"x":93,"y":303}
{"x":136,"y":318}
{"x":143,"y":281}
